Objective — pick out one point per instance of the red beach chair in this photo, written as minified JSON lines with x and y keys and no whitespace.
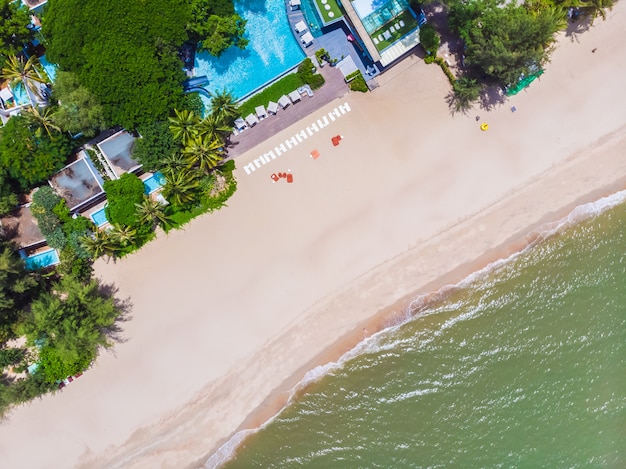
{"x":274,"y":177}
{"x":290,"y":178}
{"x":315,"y":154}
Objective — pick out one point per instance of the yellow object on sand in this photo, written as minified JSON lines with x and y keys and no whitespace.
{"x":484,"y":126}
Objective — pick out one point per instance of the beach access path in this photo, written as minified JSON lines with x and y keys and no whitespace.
{"x":229,"y":313}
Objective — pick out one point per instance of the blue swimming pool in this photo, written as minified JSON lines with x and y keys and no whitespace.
{"x":50,"y":69}
{"x":43,"y":259}
{"x":20,"y":94}
{"x":153,"y":183}
{"x":272,"y":50}
{"x":99,"y":217}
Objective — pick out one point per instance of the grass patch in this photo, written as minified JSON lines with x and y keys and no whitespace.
{"x":334,"y":9}
{"x":410,"y":24}
{"x":285,"y":85}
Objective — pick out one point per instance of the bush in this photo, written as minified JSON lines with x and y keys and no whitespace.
{"x":10,"y":356}
{"x":272,"y":93}
{"x":358,"y":82}
{"x":429,"y":39}
{"x":122,"y":195}
{"x":444,"y":66}
{"x":46,"y":198}
{"x":306,"y":71}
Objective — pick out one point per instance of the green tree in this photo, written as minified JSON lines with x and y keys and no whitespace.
{"x":184,"y":125}
{"x":216,"y":26}
{"x":212,"y":128}
{"x":596,"y":8}
{"x":155,"y":145}
{"x":503,"y":42}
{"x":78,"y":111}
{"x":466,"y":91}
{"x":224,"y":107}
{"x":8,"y":198}
{"x":122,"y":195}
{"x":174,"y":163}
{"x":127,"y":57}
{"x":74,"y":318}
{"x":180,"y":187}
{"x":41,"y":120}
{"x":23,"y":72}
{"x":124,"y":235}
{"x":14,"y":33}
{"x":17,"y":288}
{"x":430,"y":39}
{"x":100,"y":243}
{"x":27,"y":159}
{"x":204,"y":154}
{"x":151,"y":212}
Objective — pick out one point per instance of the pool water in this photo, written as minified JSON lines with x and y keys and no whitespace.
{"x":272,"y":50}
{"x":99,"y":217}
{"x":50,"y":69}
{"x":43,"y":259}
{"x":154,"y":182}
{"x":20,"y":95}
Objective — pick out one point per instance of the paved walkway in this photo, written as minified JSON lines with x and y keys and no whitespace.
{"x":334,"y":88}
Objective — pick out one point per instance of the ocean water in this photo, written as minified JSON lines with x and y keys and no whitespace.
{"x":521,"y":365}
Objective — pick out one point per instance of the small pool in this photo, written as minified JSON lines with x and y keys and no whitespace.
{"x":21,"y":97}
{"x":154,"y":182}
{"x":99,"y":217}
{"x":43,"y":259}
{"x":50,"y":69}
{"x":272,"y":50}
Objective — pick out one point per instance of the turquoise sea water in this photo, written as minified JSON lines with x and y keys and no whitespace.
{"x":522,"y":365}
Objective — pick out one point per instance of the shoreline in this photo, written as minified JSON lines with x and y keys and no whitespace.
{"x":403,"y":311}
{"x":230,"y":311}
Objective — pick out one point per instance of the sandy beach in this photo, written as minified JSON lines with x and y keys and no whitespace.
{"x":230,"y":313}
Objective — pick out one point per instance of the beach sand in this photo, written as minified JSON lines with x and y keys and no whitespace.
{"x":230,"y":313}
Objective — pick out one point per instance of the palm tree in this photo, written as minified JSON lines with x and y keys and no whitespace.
{"x":597,"y":8}
{"x":124,"y":234}
{"x":224,"y":106}
{"x":211,"y":127}
{"x":183,"y":126}
{"x":99,"y":244}
{"x":42,"y":119}
{"x":465,"y":91}
{"x":19,"y":71}
{"x":203,"y":153}
{"x":172,"y":163}
{"x":180,"y":187}
{"x":152,"y":212}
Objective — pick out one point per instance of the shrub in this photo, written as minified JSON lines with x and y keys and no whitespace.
{"x":10,"y":356}
{"x":272,"y":93}
{"x":122,"y":195}
{"x":46,"y":198}
{"x":306,"y":71}
{"x":358,"y":82}
{"x":429,"y":39}
{"x":444,"y":66}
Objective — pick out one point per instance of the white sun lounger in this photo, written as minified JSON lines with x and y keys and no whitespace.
{"x":260,"y":112}
{"x":252,"y":120}
{"x":272,"y":107}
{"x":294,"y":96}
{"x":284,"y":101}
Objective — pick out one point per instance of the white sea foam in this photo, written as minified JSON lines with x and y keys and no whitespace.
{"x":418,"y":307}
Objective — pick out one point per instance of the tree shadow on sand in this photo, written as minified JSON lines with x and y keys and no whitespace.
{"x":580,"y":26}
{"x":113,"y":333}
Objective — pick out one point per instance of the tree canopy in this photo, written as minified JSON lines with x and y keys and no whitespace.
{"x":504,"y":42}
{"x":122,"y":195}
{"x":124,"y":52}
{"x":215,"y":26}
{"x":14,"y":32}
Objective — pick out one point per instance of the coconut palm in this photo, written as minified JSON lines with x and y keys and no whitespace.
{"x":124,"y":234}
{"x":596,"y":8}
{"x":204,"y":153}
{"x":42,"y":119}
{"x":180,"y":187}
{"x":183,"y":126}
{"x":212,"y":128}
{"x":174,"y":162}
{"x":17,"y":70}
{"x":99,"y":244}
{"x":224,"y":106}
{"x":152,"y":212}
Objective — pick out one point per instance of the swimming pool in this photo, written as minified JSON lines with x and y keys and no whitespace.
{"x":272,"y":50}
{"x":153,"y":183}
{"x":43,"y":259}
{"x":50,"y":69}
{"x":20,"y":95}
{"x":99,"y":217}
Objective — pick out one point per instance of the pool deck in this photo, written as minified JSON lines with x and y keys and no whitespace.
{"x":334,"y":88}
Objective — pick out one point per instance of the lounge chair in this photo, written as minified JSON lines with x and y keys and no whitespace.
{"x":272,"y":107}
{"x":260,"y":112}
{"x":294,"y":96}
{"x":240,"y":124}
{"x":387,"y":34}
{"x":300,"y":27}
{"x":284,"y":101}
{"x":252,"y":120}
{"x":392,"y":28}
{"x":376,"y":41}
{"x":401,"y":23}
{"x":381,"y":38}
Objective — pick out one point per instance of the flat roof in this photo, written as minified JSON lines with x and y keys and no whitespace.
{"x":22,"y":227}
{"x":118,"y":150}
{"x":77,"y":183}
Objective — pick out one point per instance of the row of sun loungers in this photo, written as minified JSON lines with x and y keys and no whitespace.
{"x":261,"y":112}
{"x":385,"y":35}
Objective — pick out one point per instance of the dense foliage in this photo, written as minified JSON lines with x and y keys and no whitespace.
{"x":122,"y":195}
{"x":155,"y":145}
{"x":28,"y":159}
{"x":78,"y":110}
{"x":215,"y":26}
{"x":429,"y":39}
{"x":125,"y":53}
{"x":14,"y":33}
{"x":306,"y":71}
{"x":504,"y":43}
